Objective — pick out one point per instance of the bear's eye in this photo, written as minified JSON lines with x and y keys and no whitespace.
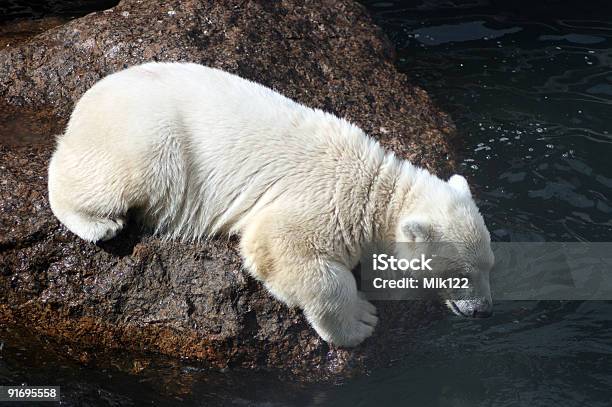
{"x":455,"y":272}
{"x":486,"y":264}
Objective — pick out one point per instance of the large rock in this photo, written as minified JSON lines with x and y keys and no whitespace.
{"x":191,"y":300}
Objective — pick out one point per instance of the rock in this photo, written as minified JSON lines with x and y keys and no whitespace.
{"x":15,"y":32}
{"x":192,"y":301}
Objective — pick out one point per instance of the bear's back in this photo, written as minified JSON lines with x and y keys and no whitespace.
{"x":217,"y":147}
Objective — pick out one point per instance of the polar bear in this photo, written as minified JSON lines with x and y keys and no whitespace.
{"x":200,"y":152}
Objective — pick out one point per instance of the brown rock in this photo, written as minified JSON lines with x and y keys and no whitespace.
{"x":191,"y":300}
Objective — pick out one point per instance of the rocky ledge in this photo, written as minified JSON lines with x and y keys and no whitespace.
{"x":192,"y":301}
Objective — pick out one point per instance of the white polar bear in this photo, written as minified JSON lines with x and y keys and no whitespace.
{"x":201,"y":152}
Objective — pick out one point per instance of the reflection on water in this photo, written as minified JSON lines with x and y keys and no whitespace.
{"x":529,"y":354}
{"x":531,"y":91}
{"x":121,"y":380}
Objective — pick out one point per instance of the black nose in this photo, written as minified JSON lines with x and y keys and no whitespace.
{"x":484,"y":313}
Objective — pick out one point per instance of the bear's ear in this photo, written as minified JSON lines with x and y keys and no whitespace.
{"x":460,"y":184}
{"x":415,"y":229}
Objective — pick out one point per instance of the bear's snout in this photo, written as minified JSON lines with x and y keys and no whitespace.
{"x":473,"y":308}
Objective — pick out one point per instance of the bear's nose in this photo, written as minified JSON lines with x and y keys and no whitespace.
{"x":484,"y":313}
{"x":482,"y":308}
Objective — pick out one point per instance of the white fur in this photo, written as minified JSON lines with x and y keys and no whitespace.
{"x":201,"y":152}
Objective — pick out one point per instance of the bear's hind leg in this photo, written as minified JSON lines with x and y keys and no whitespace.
{"x":85,"y":198}
{"x":92,"y":228}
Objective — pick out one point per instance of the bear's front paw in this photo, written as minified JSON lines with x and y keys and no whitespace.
{"x":351,"y":327}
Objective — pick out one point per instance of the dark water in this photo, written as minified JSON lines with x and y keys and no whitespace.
{"x":531,"y":93}
{"x":18,"y":9}
{"x":529,"y":85}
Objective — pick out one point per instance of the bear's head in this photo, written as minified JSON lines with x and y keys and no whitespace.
{"x":445,"y":214}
